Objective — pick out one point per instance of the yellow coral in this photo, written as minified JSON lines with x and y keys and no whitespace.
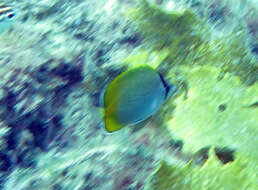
{"x":200,"y":121}
{"x":213,"y":175}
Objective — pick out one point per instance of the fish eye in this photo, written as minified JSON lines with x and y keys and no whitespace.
{"x":11,"y":16}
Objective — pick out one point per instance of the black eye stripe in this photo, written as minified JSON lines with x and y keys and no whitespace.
{"x":167,"y":88}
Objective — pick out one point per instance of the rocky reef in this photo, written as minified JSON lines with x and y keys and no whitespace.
{"x":59,"y":55}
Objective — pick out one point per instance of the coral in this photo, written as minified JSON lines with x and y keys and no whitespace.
{"x":42,"y":64}
{"x":220,"y":73}
{"x":217,"y":113}
{"x":30,"y":110}
{"x":190,"y":42}
{"x":201,"y":121}
{"x":212,"y":175}
{"x":64,"y":170}
{"x":162,"y":29}
{"x":154,"y":58}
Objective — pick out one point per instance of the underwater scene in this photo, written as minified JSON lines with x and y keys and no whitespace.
{"x":129,"y":95}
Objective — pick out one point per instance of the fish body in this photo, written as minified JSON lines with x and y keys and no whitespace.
{"x":133,"y":96}
{"x":7,"y":17}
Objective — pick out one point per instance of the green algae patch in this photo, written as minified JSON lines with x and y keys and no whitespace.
{"x":216,"y":113}
{"x":213,"y":175}
{"x":163,"y":28}
{"x":143,"y":57}
{"x":168,"y":177}
{"x":170,"y":30}
{"x":232,"y":54}
{"x":191,"y":41}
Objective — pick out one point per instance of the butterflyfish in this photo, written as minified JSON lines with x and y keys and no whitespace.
{"x":134,"y":96}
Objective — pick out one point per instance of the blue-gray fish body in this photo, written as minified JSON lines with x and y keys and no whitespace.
{"x":143,"y":96}
{"x":134,"y":96}
{"x":7,"y":17}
